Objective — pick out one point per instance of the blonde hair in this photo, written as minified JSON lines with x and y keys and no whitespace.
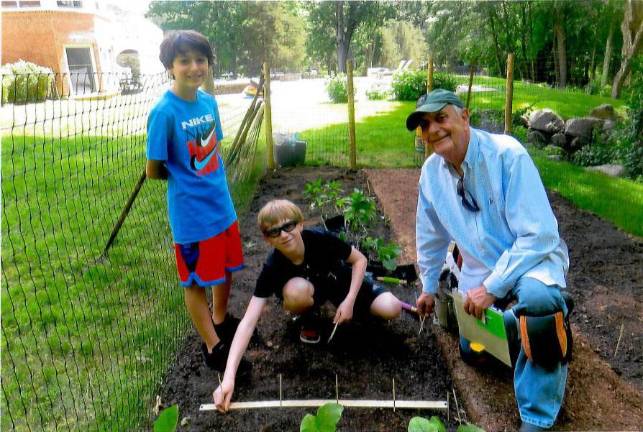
{"x":277,"y":210}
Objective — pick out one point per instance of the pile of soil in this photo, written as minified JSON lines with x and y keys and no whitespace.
{"x":605,"y":280}
{"x":365,"y":356}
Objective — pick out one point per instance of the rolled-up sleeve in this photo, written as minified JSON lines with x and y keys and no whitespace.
{"x":531,"y":221}
{"x":431,"y":239}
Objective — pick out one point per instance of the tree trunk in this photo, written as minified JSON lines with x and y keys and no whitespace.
{"x":631,"y":43}
{"x":340,"y":37}
{"x":608,"y":54}
{"x":490,"y":14}
{"x":561,"y":52}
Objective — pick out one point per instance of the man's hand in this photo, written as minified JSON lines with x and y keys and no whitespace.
{"x":425,"y":304}
{"x":478,"y":299}
{"x":222,"y":395}
{"x":344,"y":311}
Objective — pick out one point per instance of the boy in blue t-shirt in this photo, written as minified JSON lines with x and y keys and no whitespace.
{"x":183,"y":137}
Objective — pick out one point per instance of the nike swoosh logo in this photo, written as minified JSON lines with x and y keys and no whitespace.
{"x":200,"y":164}
{"x":206,"y":141}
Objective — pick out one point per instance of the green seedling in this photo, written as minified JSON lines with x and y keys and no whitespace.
{"x":326,"y":420}
{"x":386,"y":253}
{"x":420,"y":424}
{"x":167,"y":420}
{"x":323,"y":196}
{"x":359,"y":210}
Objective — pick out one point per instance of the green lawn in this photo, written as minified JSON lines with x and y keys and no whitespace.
{"x":86,"y":339}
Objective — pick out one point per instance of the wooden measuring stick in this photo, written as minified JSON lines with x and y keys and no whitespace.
{"x":352,"y":403}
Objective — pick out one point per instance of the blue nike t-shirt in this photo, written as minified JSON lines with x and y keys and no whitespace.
{"x":187,"y":136}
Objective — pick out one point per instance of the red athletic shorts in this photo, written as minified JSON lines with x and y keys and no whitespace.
{"x":205,"y":263}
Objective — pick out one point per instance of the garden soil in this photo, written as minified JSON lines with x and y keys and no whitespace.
{"x":365,"y":357}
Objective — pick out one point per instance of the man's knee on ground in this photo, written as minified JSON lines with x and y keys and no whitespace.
{"x":386,"y":306}
{"x":298,"y":295}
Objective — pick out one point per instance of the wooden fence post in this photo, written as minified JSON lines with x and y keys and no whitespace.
{"x":471,"y":70}
{"x":268,"y":115}
{"x":351,"y":114}
{"x":510,"y":93}
{"x":429,"y":87}
{"x":429,"y":75}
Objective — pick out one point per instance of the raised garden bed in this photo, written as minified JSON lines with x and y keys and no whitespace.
{"x":366,"y":356}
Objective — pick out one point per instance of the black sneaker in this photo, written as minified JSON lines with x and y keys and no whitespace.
{"x":226,"y":330}
{"x":309,"y":330}
{"x":215,"y":360}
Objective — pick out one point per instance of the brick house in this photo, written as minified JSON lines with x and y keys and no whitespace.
{"x":90,"y":45}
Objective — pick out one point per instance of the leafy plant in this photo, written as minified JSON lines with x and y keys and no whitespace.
{"x":410,"y":85}
{"x":167,"y":420}
{"x":323,"y":195}
{"x":24,"y":82}
{"x":337,"y":89}
{"x":386,"y":253}
{"x":326,"y":420}
{"x":420,"y":424}
{"x":377,"y":94}
{"x":359,"y":210}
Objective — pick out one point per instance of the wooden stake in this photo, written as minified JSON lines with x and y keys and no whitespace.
{"x":620,"y":335}
{"x":336,"y":389}
{"x":393,"y":394}
{"x":352,"y":403}
{"x":351,"y":115}
{"x":471,"y":70}
{"x":509,"y":93}
{"x":268,"y":115}
{"x":333,"y":332}
{"x":280,"y":393}
{"x":457,"y":408}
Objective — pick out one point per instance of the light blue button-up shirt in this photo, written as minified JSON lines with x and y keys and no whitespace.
{"x":514,"y":234}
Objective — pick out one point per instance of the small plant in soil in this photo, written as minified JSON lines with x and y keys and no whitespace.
{"x":326,"y":420}
{"x":167,"y":420}
{"x":359,"y":212}
{"x":386,"y":253}
{"x":434,"y":424}
{"x":323,"y":196}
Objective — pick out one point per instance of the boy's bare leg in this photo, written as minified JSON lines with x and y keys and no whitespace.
{"x":220,"y":296}
{"x":386,"y":306}
{"x":197,"y":305}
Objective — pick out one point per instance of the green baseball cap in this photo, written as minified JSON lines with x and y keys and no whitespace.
{"x":433,"y":102}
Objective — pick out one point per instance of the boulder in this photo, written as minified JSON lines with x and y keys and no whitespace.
{"x":582,"y":127}
{"x":546,"y":121}
{"x":612,"y":170}
{"x":608,"y":126}
{"x":559,"y":140}
{"x":576,"y":144}
{"x":537,"y":138}
{"x":605,"y":112}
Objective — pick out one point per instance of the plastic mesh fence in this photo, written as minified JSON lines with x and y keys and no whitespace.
{"x":86,"y":338}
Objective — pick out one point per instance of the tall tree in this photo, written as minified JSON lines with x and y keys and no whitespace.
{"x":632,"y":30}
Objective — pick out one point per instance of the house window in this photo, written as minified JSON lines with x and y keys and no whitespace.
{"x":22,"y":4}
{"x":70,"y":4}
{"x":81,"y":70}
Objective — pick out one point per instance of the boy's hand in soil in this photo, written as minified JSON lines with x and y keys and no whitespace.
{"x":425,"y":304}
{"x":344,"y":311}
{"x":222,"y":396}
{"x":478,"y":299}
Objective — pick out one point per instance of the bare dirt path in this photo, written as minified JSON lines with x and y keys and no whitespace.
{"x":605,"y":278}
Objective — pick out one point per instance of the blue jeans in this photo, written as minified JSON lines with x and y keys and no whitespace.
{"x":539,"y":392}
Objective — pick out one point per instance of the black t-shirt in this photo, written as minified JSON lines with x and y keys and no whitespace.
{"x":324,"y":266}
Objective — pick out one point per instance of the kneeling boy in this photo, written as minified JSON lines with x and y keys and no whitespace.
{"x":305,"y":269}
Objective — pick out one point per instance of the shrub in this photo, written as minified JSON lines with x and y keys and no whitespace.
{"x":24,"y":82}
{"x":377,"y":94}
{"x":595,"y":153}
{"x":337,"y":89}
{"x":410,"y":85}
{"x":627,"y":139}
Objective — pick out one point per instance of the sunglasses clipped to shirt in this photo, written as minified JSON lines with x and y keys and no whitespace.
{"x":472,"y":205}
{"x":276,"y":231}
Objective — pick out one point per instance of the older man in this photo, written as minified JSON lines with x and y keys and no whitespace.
{"x":483,"y":191}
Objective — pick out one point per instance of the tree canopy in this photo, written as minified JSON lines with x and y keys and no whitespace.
{"x":562,"y":42}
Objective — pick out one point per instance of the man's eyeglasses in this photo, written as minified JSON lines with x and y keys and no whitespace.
{"x":472,"y":205}
{"x":276,"y":231}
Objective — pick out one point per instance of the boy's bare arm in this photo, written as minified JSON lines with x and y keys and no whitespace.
{"x":155,"y":169}
{"x":358,"y":262}
{"x":223,"y":394}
